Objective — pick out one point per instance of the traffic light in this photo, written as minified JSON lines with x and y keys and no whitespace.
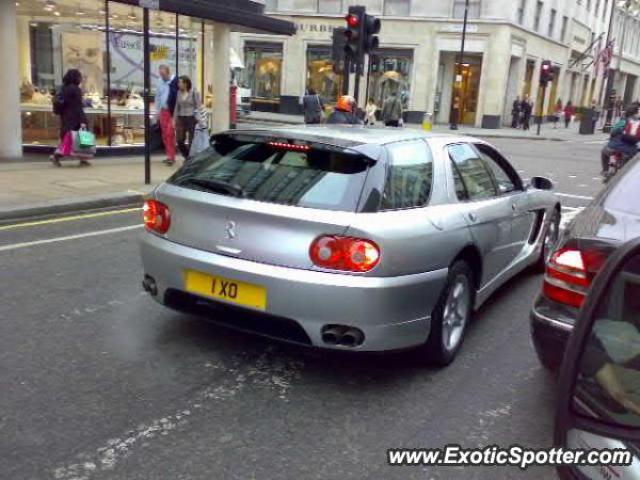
{"x":353,"y":34}
{"x":546,"y":73}
{"x":371,"y":29}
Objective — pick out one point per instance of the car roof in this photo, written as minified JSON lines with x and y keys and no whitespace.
{"x":347,"y":135}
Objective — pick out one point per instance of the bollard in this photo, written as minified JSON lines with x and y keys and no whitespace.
{"x":427,"y":122}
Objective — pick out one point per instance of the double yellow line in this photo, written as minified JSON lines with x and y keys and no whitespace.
{"x":68,"y":219}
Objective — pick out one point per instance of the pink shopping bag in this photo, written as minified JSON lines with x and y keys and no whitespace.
{"x":66,"y":145}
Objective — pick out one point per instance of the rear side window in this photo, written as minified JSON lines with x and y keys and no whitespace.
{"x":317,"y":176}
{"x":624,"y":196}
{"x":472,"y":172}
{"x":409,"y":175}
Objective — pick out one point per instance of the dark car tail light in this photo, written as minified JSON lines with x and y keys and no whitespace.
{"x":344,"y":253}
{"x":157,"y":217}
{"x":571,"y":271}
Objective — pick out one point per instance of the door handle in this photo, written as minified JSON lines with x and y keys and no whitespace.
{"x":473,"y":217}
{"x":514,"y":207}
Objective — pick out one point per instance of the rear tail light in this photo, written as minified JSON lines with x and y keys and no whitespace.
{"x":345,"y":253}
{"x":156,"y":216}
{"x":570,"y":272}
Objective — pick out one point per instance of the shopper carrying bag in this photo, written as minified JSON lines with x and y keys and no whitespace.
{"x":67,"y":103}
{"x":188,"y":105}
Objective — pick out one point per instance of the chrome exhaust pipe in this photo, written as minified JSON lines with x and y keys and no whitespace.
{"x":352,"y":338}
{"x":333,"y":335}
{"x":149,"y":285}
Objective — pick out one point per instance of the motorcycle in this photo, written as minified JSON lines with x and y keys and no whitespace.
{"x":616,"y":162}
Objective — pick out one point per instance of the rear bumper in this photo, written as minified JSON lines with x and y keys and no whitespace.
{"x":393,"y":313}
{"x":551,"y":327}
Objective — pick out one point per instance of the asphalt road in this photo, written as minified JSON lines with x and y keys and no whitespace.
{"x":99,"y":382}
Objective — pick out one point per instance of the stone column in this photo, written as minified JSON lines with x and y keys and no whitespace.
{"x":495,"y":74}
{"x":220,"y":77}
{"x":24,"y":49}
{"x":10,"y":123}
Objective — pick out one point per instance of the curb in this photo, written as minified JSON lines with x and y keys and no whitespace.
{"x":73,"y":205}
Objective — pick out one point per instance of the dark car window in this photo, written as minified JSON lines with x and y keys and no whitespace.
{"x":624,"y":195}
{"x":505,"y":177}
{"x":473,"y":172}
{"x":409,"y":175}
{"x":313,"y":177}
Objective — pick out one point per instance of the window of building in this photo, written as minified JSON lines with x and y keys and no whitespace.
{"x":522,"y":7}
{"x":588,"y":5}
{"x":330,"y":6}
{"x":538,"y":16}
{"x":400,"y":8}
{"x":263,"y":70}
{"x":563,"y":32}
{"x":391,"y":72}
{"x":409,"y":176}
{"x":320,"y":74}
{"x":597,"y":9}
{"x":552,"y":22}
{"x":459,"y":6}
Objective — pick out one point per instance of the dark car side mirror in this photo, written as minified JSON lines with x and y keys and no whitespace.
{"x":541,"y":183}
{"x":599,"y":402}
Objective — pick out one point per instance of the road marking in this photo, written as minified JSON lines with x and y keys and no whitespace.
{"x":69,"y":219}
{"x":17,"y":246}
{"x":573,"y":209}
{"x":570,"y":195}
{"x":567,"y":217}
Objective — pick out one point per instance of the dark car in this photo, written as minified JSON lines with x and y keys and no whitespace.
{"x":610,"y":220}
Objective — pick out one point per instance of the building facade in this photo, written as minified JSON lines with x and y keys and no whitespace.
{"x":419,"y":49}
{"x":104,"y":39}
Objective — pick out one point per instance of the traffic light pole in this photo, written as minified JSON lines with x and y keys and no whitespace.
{"x":541,"y":111}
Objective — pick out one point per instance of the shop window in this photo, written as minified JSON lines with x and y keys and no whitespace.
{"x":400,"y":8}
{"x":263,"y":70}
{"x":320,"y":74}
{"x":391,"y":72}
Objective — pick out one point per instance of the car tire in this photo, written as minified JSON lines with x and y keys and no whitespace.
{"x":451,"y":316}
{"x":553,"y":231}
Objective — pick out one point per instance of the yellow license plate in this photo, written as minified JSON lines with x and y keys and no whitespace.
{"x":227,"y":289}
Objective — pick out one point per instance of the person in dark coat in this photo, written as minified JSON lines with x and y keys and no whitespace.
{"x":526,"y":108}
{"x":515,"y":113}
{"x":68,"y":105}
{"x":344,"y":112}
{"x":312,"y":107}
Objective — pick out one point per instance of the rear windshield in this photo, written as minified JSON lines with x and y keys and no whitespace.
{"x":624,"y":196}
{"x":320,"y":177}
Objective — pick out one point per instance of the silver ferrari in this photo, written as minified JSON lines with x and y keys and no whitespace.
{"x":347,"y":238}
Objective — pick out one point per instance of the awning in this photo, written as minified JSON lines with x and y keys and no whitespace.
{"x":242,"y":13}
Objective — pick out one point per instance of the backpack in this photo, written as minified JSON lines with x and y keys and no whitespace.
{"x":58,"y":102}
{"x":173,"y":95}
{"x":631,"y":133}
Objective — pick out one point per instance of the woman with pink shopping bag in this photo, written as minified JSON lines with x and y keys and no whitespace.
{"x":67,"y":103}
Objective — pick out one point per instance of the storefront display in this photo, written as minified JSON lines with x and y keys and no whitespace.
{"x":391,"y":72}
{"x":263,"y":72}
{"x":109,"y":54}
{"x":320,"y":73}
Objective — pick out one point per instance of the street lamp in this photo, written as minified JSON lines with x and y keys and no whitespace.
{"x":457,"y":98}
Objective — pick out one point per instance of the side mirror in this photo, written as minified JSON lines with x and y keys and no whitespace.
{"x":541,"y":183}
{"x":599,"y":401}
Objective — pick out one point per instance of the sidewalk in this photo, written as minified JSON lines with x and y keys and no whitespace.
{"x":547,"y":130}
{"x":32,"y":189}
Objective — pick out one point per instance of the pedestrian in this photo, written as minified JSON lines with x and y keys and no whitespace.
{"x":68,"y":104}
{"x":370,"y":112}
{"x":185,"y":114}
{"x":345,"y":112}
{"x":596,"y":113}
{"x":569,"y":112}
{"x":558,"y":113}
{"x":526,"y":107}
{"x":166,"y":95}
{"x":392,"y":110}
{"x":313,"y":107}
{"x":515,"y":113}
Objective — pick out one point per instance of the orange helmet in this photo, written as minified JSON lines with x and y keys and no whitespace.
{"x":346,"y":103}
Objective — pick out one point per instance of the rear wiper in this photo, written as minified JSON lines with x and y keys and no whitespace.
{"x":218,"y":186}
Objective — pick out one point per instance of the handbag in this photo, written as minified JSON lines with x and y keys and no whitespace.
{"x":84,"y":143}
{"x":200,"y":142}
{"x":86,"y":139}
